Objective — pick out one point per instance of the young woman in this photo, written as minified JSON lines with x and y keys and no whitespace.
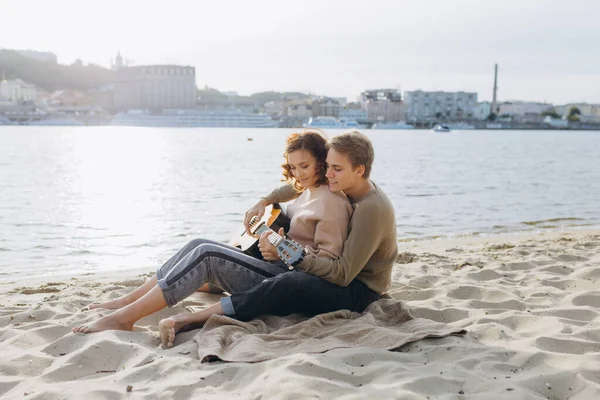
{"x":319,"y":222}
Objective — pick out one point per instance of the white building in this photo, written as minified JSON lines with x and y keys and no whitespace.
{"x":17,"y":91}
{"x":326,"y":107}
{"x":272,"y":107}
{"x":354,"y":114}
{"x":424,"y":106}
{"x":590,"y":118}
{"x":520,"y":108}
{"x":155,"y":87}
{"x":591,"y":110}
{"x":298,"y":109}
{"x":482,"y":110}
{"x":341,"y":100}
{"x":383,"y":105}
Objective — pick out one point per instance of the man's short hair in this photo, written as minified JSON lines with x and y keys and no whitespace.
{"x":357,"y":147}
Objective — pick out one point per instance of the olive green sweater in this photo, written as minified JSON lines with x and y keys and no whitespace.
{"x":370,"y":250}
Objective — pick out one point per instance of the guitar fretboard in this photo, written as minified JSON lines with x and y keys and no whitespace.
{"x":274,"y":237}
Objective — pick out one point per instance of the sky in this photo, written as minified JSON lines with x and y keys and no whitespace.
{"x":547,"y":50}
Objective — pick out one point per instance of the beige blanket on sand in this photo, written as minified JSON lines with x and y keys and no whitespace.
{"x":385,"y":324}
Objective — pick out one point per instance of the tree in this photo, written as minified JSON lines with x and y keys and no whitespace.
{"x":353,"y":106}
{"x":492,"y":117}
{"x":265,"y":97}
{"x":210,"y":94}
{"x":551,"y":113}
{"x":574,"y":114}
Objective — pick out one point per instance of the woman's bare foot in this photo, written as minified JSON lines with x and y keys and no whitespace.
{"x":110,"y":305}
{"x":169,"y":327}
{"x":108,"y":323}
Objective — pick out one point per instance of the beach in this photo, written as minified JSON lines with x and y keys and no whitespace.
{"x":529,"y":303}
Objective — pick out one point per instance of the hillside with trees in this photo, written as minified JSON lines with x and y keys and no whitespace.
{"x":211,"y":94}
{"x":50,"y":76}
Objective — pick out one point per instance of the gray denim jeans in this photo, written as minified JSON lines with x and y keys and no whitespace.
{"x":205,"y":261}
{"x":257,"y":287}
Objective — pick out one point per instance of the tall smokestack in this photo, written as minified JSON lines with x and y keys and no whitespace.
{"x":494,"y":104}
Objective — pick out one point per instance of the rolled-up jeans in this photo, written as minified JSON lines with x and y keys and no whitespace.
{"x":257,"y":287}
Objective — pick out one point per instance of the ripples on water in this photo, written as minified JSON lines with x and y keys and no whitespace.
{"x":79,"y":199}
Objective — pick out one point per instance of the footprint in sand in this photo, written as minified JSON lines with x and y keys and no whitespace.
{"x":559,"y":283}
{"x":445,"y":315}
{"x":588,"y":299}
{"x":590,"y":245}
{"x":570,"y":346}
{"x":27,"y":364}
{"x":412,"y":295}
{"x":518,"y":266}
{"x":94,"y":357}
{"x":424,"y":282}
{"x":500,"y":305}
{"x":465,"y":292}
{"x":591,"y":272}
{"x":558,"y":269}
{"x":580,"y":315}
{"x":570,"y":258}
{"x":41,"y":289}
{"x":484,"y":275}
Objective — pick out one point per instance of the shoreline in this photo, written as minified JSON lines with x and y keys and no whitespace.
{"x":530,"y":304}
{"x":409,"y":242}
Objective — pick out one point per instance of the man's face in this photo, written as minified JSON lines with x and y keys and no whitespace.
{"x":340,"y":173}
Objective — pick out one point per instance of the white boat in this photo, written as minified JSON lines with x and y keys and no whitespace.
{"x":392,"y":125}
{"x":324,"y":122}
{"x":461,"y":126}
{"x":56,"y":122}
{"x":194,"y":118}
{"x":349,"y":123}
{"x":441,"y":128}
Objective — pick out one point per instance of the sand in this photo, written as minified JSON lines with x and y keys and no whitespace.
{"x":530,"y":304}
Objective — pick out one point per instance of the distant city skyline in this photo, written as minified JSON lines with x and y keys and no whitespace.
{"x":546,"y":49}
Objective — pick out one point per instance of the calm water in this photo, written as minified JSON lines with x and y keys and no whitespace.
{"x":103,"y":198}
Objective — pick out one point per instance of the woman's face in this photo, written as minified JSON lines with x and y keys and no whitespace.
{"x":303,"y":166}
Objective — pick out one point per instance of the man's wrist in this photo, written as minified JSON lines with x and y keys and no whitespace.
{"x":264,"y":201}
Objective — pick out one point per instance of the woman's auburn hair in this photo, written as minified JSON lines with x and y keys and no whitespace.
{"x":312,"y":141}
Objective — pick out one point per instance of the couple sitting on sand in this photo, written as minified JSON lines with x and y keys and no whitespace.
{"x":344,"y":221}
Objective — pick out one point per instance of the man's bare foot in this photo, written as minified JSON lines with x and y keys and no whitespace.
{"x":108,"y":323}
{"x":169,"y":327}
{"x":111,"y":305}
